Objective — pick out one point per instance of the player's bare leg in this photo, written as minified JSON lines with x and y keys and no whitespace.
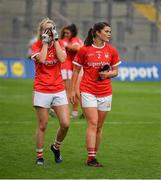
{"x":62,"y":113}
{"x":101,"y":118}
{"x":91,"y":114}
{"x":42,"y":117}
{"x":64,"y":120}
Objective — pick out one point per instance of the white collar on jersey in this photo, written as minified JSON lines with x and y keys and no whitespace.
{"x":99,"y":47}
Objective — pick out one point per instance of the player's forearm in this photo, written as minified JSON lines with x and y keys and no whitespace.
{"x":43,"y":53}
{"x":59,"y":52}
{"x":73,"y":48}
{"x":75,"y":78}
{"x":113,"y":73}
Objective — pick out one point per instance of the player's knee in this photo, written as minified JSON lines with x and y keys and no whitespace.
{"x":43,"y":126}
{"x":65,"y":126}
{"x":93,"y":125}
{"x":99,"y":129}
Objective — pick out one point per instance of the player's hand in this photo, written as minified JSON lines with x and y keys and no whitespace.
{"x":55,"y":34}
{"x":45,"y":37}
{"x":65,"y":44}
{"x":104,"y":75}
{"x":72,"y":97}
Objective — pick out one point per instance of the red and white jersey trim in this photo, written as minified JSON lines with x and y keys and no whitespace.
{"x":116,"y":64}
{"x":98,"y":46}
{"x":77,"y":64}
{"x":76,"y":43}
{"x":33,"y":56}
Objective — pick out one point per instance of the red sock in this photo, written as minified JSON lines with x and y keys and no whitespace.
{"x":91,"y":153}
{"x":39,"y":153}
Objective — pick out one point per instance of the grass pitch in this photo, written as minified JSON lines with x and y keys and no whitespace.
{"x":130,"y":149}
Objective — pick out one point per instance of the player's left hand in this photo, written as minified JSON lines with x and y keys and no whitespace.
{"x":104,"y":75}
{"x":55,"y":34}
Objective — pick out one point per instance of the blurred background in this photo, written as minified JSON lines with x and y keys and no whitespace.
{"x":136,"y":24}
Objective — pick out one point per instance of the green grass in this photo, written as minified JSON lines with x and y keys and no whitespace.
{"x":131,"y":146}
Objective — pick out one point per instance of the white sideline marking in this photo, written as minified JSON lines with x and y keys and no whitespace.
{"x":124,"y":123}
{"x":140,"y":90}
{"x":84,"y":122}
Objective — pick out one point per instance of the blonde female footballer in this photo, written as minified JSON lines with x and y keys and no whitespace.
{"x":48,"y":53}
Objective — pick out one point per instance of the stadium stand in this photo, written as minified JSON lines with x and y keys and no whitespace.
{"x":134,"y":32}
{"x":148,"y":10}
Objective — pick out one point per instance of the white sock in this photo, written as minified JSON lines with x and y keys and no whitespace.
{"x":74,"y":113}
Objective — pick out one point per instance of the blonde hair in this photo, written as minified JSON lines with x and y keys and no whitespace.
{"x":40,"y":27}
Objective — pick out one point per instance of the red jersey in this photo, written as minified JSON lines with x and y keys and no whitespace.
{"x":48,"y":77}
{"x":93,"y":58}
{"x":68,"y":65}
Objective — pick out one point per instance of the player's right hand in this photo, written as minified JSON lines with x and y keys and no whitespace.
{"x":72,"y":97}
{"x":45,"y":37}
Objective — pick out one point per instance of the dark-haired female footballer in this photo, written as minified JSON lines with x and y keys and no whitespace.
{"x":69,"y":36}
{"x":100,"y":62}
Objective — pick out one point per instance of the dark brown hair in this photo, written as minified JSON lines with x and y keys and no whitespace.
{"x":72,"y":28}
{"x":92,"y":32}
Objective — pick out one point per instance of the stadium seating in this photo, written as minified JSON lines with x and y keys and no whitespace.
{"x":148,"y":11}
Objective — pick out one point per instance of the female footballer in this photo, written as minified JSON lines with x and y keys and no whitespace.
{"x":100,"y":62}
{"x":48,"y":53}
{"x":72,"y":44}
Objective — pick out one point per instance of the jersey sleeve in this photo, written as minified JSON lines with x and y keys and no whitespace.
{"x":64,"y":42}
{"x":80,"y":57}
{"x":35,"y":50}
{"x":115,"y":58}
{"x":76,"y":41}
{"x":62,"y":45}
